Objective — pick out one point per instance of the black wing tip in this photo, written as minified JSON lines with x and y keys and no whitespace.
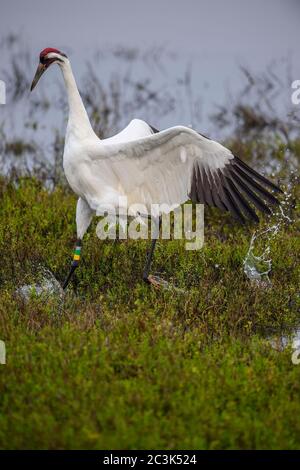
{"x":256,"y":181}
{"x":236,"y":189}
{"x":279,"y":190}
{"x":257,"y":175}
{"x":276,"y":188}
{"x":154,"y":130}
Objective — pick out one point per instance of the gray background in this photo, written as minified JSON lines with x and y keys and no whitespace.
{"x":213,"y":35}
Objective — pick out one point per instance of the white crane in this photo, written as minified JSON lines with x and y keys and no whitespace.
{"x":149,"y":167}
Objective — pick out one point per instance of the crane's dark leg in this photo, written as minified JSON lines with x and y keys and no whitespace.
{"x":148,"y":261}
{"x":146,"y":276}
{"x":75,"y":262}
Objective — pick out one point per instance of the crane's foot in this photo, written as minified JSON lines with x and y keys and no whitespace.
{"x":157,"y":282}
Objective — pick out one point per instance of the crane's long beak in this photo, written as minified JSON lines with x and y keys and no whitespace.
{"x":39,"y":72}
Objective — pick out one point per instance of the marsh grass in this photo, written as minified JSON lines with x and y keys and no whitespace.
{"x":121,"y":365}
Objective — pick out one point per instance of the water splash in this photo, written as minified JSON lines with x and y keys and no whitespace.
{"x":46,"y":285}
{"x":284,"y":340}
{"x":160,"y":283}
{"x":257,"y":267}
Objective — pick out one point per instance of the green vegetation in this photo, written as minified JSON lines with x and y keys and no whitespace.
{"x":119,"y":364}
{"x":122,"y":365}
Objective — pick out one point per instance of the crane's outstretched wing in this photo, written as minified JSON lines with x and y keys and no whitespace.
{"x":177,"y":164}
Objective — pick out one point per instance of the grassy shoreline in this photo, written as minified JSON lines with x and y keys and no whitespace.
{"x":126,"y":366}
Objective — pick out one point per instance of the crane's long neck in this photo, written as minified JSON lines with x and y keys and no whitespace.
{"x":78,"y":123}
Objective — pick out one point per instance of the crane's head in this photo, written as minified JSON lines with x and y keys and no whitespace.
{"x":47,"y":57}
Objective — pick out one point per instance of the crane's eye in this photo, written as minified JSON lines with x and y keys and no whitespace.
{"x":43,"y":60}
{"x":46,"y":61}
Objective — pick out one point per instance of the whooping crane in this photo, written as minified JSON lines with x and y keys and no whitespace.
{"x":149,"y":167}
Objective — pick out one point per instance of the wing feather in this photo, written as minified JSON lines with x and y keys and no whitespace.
{"x":172,"y":166}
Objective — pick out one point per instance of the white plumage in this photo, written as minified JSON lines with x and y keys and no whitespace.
{"x":155,"y":169}
{"x":148,"y":166}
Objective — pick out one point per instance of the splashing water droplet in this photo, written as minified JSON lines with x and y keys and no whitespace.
{"x":45,"y":286}
{"x":281,"y":341}
{"x":258,"y":267}
{"x":285,"y":216}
